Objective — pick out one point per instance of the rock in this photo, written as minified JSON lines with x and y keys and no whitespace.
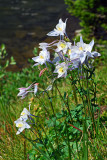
{"x":78,"y":32}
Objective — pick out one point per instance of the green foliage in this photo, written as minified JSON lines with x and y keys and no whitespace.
{"x":3,"y":54}
{"x":61,"y":134}
{"x":92,"y":14}
{"x":57,"y":148}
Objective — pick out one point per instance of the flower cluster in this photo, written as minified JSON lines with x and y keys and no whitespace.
{"x":67,"y":56}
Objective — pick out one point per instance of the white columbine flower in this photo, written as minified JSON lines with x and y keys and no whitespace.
{"x":74,"y":53}
{"x":85,"y":47}
{"x":24,"y":114}
{"x":61,"y":69}
{"x":59,"y":30}
{"x":21,"y":125}
{"x":44,"y":56}
{"x":63,"y":46}
{"x":85,"y":50}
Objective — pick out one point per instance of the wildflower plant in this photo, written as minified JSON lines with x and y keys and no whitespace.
{"x":63,"y":132}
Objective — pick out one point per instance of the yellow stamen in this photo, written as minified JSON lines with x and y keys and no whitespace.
{"x":23,"y":113}
{"x":20,"y":125}
{"x":59,"y":29}
{"x":69,"y":51}
{"x":41,"y":57}
{"x":61,"y":70}
{"x":62,"y":45}
{"x":80,"y":48}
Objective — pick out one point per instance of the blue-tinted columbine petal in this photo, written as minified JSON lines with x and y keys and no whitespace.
{"x":59,"y":30}
{"x":91,"y":44}
{"x":44,"y":56}
{"x":21,"y":124}
{"x":95,"y":54}
{"x":61,"y":69}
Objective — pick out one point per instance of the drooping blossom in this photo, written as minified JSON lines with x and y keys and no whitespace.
{"x":44,"y":56}
{"x":24,"y":91}
{"x":43,"y":45}
{"x":59,"y":30}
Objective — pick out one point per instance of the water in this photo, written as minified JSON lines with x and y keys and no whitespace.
{"x":25,"y":23}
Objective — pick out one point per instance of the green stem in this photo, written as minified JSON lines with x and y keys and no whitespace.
{"x":42,"y":140}
{"x":67,"y":105}
{"x":43,"y":105}
{"x":25,"y":149}
{"x":90,"y":107}
{"x":57,"y":139}
{"x":69,"y":149}
{"x":48,"y":158}
{"x":74,"y":89}
{"x":85,"y":142}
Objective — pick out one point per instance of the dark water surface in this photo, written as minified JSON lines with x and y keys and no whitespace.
{"x":25,"y":23}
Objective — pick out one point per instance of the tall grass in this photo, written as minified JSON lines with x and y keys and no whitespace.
{"x":12,"y":146}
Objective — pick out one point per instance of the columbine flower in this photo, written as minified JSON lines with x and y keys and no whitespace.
{"x":24,"y":91}
{"x":85,"y":50}
{"x":85,"y":47}
{"x":43,"y":45}
{"x":62,"y":46}
{"x":44,"y":56}
{"x":47,"y":45}
{"x":61,"y":69}
{"x":21,"y":125}
{"x":59,"y":30}
{"x":24,"y":114}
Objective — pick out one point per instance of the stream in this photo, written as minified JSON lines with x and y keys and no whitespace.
{"x":25,"y":23}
